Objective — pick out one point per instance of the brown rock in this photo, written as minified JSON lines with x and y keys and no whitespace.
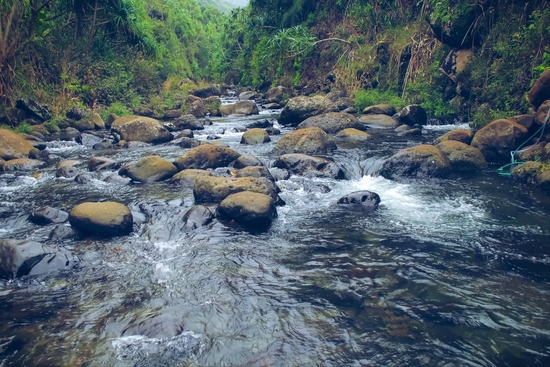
{"x":21,"y":164}
{"x":498,"y":139}
{"x":462,"y":157}
{"x":139,"y":128}
{"x":540,"y":91}
{"x":249,"y":209}
{"x":255,"y":136}
{"x":300,"y":108}
{"x":215,"y":189}
{"x":462,"y":135}
{"x":187,"y":177}
{"x":102,"y":219}
{"x":381,"y":121}
{"x":149,"y":169}
{"x":206,"y":156}
{"x":13,"y":146}
{"x":353,"y":134}
{"x":422,"y":161}
{"x":311,"y":140}
{"x":331,"y":122}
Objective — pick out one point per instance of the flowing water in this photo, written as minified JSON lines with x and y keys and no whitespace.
{"x":449,"y":272}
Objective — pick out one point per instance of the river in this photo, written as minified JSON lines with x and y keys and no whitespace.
{"x":452,"y":272}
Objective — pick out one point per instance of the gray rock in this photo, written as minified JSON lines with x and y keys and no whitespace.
{"x":196,"y":217}
{"x":308,"y":166}
{"x":48,"y":215}
{"x":365,"y":200}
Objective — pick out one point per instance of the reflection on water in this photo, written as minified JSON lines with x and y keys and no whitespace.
{"x":445,"y":273}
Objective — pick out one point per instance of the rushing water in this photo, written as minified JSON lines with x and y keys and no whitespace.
{"x":446,"y":273}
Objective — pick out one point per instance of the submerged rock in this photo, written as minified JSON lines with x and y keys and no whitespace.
{"x":48,"y":215}
{"x":250,"y":209}
{"x":311,"y":140}
{"x":20,"y":258}
{"x":149,"y":169}
{"x":197,"y":216}
{"x":102,"y":219}
{"x":366,"y":200}
{"x":422,"y":161}
{"x":309,"y":166}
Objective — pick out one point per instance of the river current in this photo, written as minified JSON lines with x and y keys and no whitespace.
{"x":452,"y":272}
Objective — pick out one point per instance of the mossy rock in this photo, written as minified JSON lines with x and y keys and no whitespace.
{"x":331,"y":122}
{"x":422,"y":161}
{"x":21,"y":164}
{"x":139,"y":128}
{"x":380,"y":109}
{"x":542,"y":112}
{"x":379,"y":121}
{"x":527,"y":172}
{"x":255,"y":136}
{"x":102,"y":219}
{"x":462,"y":135}
{"x":300,"y":108}
{"x":353,"y":134}
{"x":247,"y":160}
{"x":149,"y":169}
{"x":215,"y":189}
{"x":13,"y":146}
{"x":311,"y":140}
{"x":540,"y":91}
{"x":206,"y":156}
{"x":250,"y":209}
{"x":462,"y":157}
{"x":240,"y":108}
{"x":498,"y":139}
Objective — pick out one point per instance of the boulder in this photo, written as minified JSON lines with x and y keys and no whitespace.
{"x":20,"y":258}
{"x":311,"y":140}
{"x":260,"y":124}
{"x":462,"y":135}
{"x":379,"y":121}
{"x":240,"y":108}
{"x":188,"y":121}
{"x":462,"y":157}
{"x":172,"y":114}
{"x":247,"y":160}
{"x":21,"y":164}
{"x":188,"y":143}
{"x":98,"y":122}
{"x":77,"y":113}
{"x":308,"y":166}
{"x":48,"y":215}
{"x":206,"y":156}
{"x":300,"y":108}
{"x":62,"y":232}
{"x":143,"y":129}
{"x":197,"y":216}
{"x":531,"y":153}
{"x":498,"y":139}
{"x":82,"y":125}
{"x":422,"y":161}
{"x":255,"y":136}
{"x":353,"y":134}
{"x":275,"y":94}
{"x":413,"y":115}
{"x":196,"y":108}
{"x":212,"y":105}
{"x":527,"y":172}
{"x":102,"y":219}
{"x":380,"y":109}
{"x":331,"y":122}
{"x":248,"y":95}
{"x":215,"y":189}
{"x":250,"y":209}
{"x":149,"y":169}
{"x":34,"y":109}
{"x":527,"y":121}
{"x":542,"y":112}
{"x":409,"y":132}
{"x":540,"y":91}
{"x":365,"y":200}
{"x":187,"y":177}
{"x":13,"y":146}
{"x":102,"y":164}
{"x":213,"y":90}
{"x":186,"y":133}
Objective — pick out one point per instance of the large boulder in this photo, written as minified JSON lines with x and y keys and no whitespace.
{"x":213,"y":90}
{"x":462,"y":135}
{"x":19,"y":258}
{"x":248,"y":95}
{"x":527,"y":172}
{"x":34,"y":109}
{"x":139,"y":128}
{"x":21,"y":164}
{"x":308,"y":166}
{"x":13,"y":146}
{"x":206,"y":156}
{"x":380,"y":109}
{"x":149,"y":169}
{"x":413,"y":115}
{"x":249,"y":209}
{"x":215,"y":189}
{"x":300,"y":108}
{"x":240,"y":108}
{"x":311,"y":140}
{"x":195,"y":106}
{"x":462,"y":157}
{"x":188,"y":122}
{"x":542,"y":112}
{"x":379,"y":121}
{"x":247,"y":160}
{"x":422,"y":161}
{"x":102,"y":219}
{"x":365,"y":200}
{"x":187,"y":177}
{"x":255,"y":136}
{"x":540,"y":91}
{"x":331,"y":122}
{"x":498,"y":139}
{"x":275,"y":94}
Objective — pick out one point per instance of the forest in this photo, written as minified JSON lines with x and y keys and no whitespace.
{"x":474,"y":59}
